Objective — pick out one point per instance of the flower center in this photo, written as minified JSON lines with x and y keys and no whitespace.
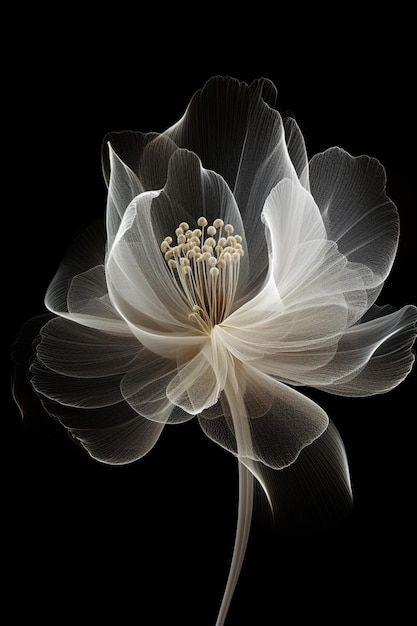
{"x":204,"y":264}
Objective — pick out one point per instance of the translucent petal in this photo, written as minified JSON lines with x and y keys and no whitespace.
{"x":358,"y":215}
{"x":306,"y":266}
{"x":82,"y":367}
{"x":77,"y":351}
{"x":146,"y":155}
{"x":297,"y":150}
{"x":371,"y":357}
{"x":115,"y":435}
{"x":132,"y":163}
{"x":315,"y":492}
{"x":78,"y":290}
{"x":233,"y":129}
{"x":198,"y":384}
{"x":124,"y":185}
{"x":281,"y":420}
{"x":374,"y":356}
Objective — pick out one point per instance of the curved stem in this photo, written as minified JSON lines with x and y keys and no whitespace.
{"x":242,"y":434}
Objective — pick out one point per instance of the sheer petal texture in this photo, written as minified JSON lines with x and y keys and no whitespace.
{"x":125,"y":355}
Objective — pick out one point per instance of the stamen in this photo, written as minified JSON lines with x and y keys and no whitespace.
{"x":204,"y":266}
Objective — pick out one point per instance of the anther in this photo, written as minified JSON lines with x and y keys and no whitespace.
{"x":218,"y":223}
{"x":202,"y":221}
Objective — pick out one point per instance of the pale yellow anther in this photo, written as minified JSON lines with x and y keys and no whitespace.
{"x":207,"y":269}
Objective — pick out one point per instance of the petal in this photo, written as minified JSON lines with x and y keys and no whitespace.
{"x":78,"y":290}
{"x":282,"y":421}
{"x":198,"y":383}
{"x":358,"y":215}
{"x":77,"y":351}
{"x":314,"y":492}
{"x":144,"y":388}
{"x":306,"y":266}
{"x":374,"y":356}
{"x":115,"y":435}
{"x":371,"y":357}
{"x":132,"y":163}
{"x":233,"y":129}
{"x":297,"y":150}
{"x":146,"y":155}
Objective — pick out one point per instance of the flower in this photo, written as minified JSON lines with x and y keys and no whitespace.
{"x":233,"y":270}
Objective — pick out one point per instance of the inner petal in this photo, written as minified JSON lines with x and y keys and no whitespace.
{"x":204,"y":264}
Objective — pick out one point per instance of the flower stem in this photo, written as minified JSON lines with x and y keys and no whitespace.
{"x":243,"y":441}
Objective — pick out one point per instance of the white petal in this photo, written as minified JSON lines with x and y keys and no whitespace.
{"x":115,"y":435}
{"x":124,"y":185}
{"x":358,"y":215}
{"x":233,"y":129}
{"x":282,"y":421}
{"x":374,"y":356}
{"x":78,"y":290}
{"x":297,"y":150}
{"x":198,"y":383}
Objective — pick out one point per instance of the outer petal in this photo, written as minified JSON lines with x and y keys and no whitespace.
{"x":358,"y":215}
{"x":236,"y":133}
{"x":371,"y":357}
{"x":78,"y":290}
{"x":282,"y":421}
{"x":84,"y":377}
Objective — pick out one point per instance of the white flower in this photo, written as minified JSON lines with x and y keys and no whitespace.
{"x":234,"y":271}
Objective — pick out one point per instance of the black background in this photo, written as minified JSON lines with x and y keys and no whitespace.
{"x":153,"y":540}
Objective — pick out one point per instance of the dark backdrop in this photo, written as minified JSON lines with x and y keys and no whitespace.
{"x":156,"y":537}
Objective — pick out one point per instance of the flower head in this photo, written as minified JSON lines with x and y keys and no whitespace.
{"x":233,"y":270}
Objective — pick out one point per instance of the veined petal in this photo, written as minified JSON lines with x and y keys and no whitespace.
{"x":78,"y":290}
{"x":233,"y":129}
{"x":198,"y":383}
{"x":374,"y":356}
{"x":306,"y":265}
{"x":282,"y":421}
{"x":115,"y":435}
{"x":132,"y":163}
{"x":297,"y":150}
{"x":358,"y":215}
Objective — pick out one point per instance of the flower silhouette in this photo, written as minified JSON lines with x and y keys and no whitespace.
{"x":232,"y":271}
